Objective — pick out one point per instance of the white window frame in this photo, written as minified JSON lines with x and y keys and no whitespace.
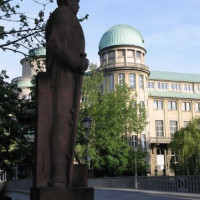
{"x":134,"y":140}
{"x":121,"y":79}
{"x":159,"y":128}
{"x":138,"y":54}
{"x":132,"y":80}
{"x":111,"y":55}
{"x":162,"y":86}
{"x":111,"y":82}
{"x":172,"y":105}
{"x":173,"y":127}
{"x":158,"y":105}
{"x":151,"y":85}
{"x":197,"y":107}
{"x":141,"y":81}
{"x":186,"y":106}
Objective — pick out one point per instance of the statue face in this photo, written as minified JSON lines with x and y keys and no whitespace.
{"x":73,"y":5}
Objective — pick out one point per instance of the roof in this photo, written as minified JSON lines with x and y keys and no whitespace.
{"x":121,"y":34}
{"x":40,"y":51}
{"x":24,"y":83}
{"x":174,"y":76}
{"x":167,"y":94}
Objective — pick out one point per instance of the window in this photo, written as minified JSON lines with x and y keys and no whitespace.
{"x":197,"y":105}
{"x":186,"y":106}
{"x":188,"y":88}
{"x":175,"y":87}
{"x":173,"y":157}
{"x":138,"y":54}
{"x":121,"y":79}
{"x":158,"y":105}
{"x":172,"y":105}
{"x":121,"y":53}
{"x":132,"y":80}
{"x":151,"y":85}
{"x":159,"y":128}
{"x":134,"y":139}
{"x":130,"y":53}
{"x":173,"y":127}
{"x":185,"y":123}
{"x":111,"y":54}
{"x":198,"y":88}
{"x":162,"y":86}
{"x":111,"y":82}
{"x":104,"y":57}
{"x":142,"y":104}
{"x":141,"y":81}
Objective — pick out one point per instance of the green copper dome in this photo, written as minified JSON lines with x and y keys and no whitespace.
{"x":40,"y":51}
{"x":121,"y":34}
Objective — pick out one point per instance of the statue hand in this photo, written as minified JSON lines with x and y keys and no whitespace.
{"x":84,"y":63}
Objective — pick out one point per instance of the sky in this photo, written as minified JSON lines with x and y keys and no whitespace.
{"x":170,"y":28}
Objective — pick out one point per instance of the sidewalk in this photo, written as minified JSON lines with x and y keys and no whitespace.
{"x":159,"y":193}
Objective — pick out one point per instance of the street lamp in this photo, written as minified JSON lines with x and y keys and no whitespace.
{"x":136,"y":181}
{"x":87,"y":122}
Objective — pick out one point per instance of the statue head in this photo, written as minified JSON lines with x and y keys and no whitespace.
{"x":72,"y":4}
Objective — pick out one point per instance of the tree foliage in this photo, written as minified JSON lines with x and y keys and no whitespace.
{"x":15,"y":125}
{"x":114,"y":115}
{"x":186,"y":145}
{"x":20,"y":31}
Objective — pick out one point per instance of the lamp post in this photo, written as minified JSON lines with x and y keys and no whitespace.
{"x":87,"y":122}
{"x":136,"y":180}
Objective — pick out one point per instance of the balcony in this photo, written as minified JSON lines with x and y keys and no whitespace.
{"x":128,"y":65}
{"x":160,"y":140}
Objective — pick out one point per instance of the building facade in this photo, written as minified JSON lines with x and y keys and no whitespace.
{"x":29,"y":70}
{"x":171,"y":99}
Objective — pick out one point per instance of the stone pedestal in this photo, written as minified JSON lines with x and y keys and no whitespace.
{"x":53,"y":193}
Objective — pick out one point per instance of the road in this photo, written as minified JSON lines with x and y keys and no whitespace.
{"x":133,"y":195}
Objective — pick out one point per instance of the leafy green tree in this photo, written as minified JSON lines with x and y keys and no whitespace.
{"x":15,"y":125}
{"x":114,"y":114}
{"x":186,"y":147}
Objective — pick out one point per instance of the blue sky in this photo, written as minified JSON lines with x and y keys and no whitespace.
{"x":171,"y":31}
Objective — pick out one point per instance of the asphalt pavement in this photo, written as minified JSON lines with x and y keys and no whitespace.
{"x":130,"y":194}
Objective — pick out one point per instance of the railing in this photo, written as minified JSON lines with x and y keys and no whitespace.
{"x":112,"y":182}
{"x":190,"y":184}
{"x":165,"y":140}
{"x":124,"y":65}
{"x":1,"y":189}
{"x":25,"y":185}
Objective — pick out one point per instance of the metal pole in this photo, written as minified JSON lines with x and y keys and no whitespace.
{"x":136,"y":183}
{"x":87,"y":148}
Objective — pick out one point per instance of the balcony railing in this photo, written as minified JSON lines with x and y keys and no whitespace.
{"x":157,"y":140}
{"x":129,"y":65}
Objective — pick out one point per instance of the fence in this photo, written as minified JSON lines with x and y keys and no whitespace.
{"x":190,"y":184}
{"x":25,"y":185}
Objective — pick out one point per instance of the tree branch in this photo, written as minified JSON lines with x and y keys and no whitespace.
{"x":15,"y":51}
{"x":9,"y":43}
{"x":13,"y":31}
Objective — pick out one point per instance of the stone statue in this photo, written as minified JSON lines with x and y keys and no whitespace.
{"x":66,"y":62}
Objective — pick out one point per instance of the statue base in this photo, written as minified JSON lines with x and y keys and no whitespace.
{"x":54,"y":193}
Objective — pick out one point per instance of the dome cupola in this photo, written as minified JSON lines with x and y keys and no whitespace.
{"x":121,"y":35}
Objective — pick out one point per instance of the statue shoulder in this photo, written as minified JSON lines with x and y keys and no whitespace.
{"x":63,"y":14}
